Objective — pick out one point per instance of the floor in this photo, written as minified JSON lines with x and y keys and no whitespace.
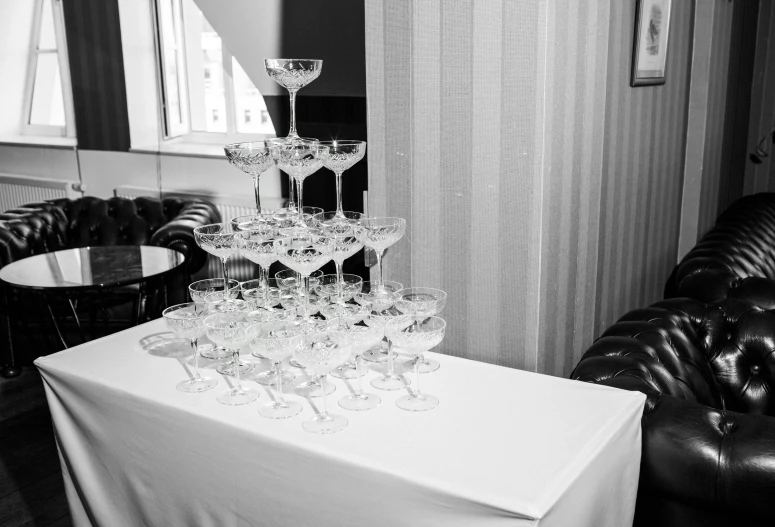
{"x":31,"y":487}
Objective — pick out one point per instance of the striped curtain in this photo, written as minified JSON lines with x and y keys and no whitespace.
{"x":489,"y":124}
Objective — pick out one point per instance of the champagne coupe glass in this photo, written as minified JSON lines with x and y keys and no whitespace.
{"x":361,"y":338}
{"x":186,"y":320}
{"x":254,"y":235}
{"x":289,"y":212}
{"x":253,"y":158}
{"x":380,"y":319}
{"x":329,"y":286}
{"x":421,"y":303}
{"x":230,"y":331}
{"x":305,"y":252}
{"x":293,"y":74}
{"x":276,"y":346}
{"x":263,"y":298}
{"x":287,"y":221}
{"x":373,"y":302}
{"x":341,"y":156}
{"x":237,"y":307}
{"x":344,"y":315}
{"x":218,"y":240}
{"x":349,"y":238}
{"x":381,"y":233}
{"x":321,"y":355}
{"x":299,"y":161}
{"x":417,"y":339}
{"x":202,"y":289}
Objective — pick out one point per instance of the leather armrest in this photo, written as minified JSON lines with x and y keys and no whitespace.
{"x":711,"y":458}
{"x":178,"y":234}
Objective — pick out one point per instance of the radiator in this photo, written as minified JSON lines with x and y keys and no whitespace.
{"x":229,"y":207}
{"x":19,"y":190}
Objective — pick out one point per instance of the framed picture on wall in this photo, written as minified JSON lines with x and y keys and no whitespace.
{"x":649,"y":50}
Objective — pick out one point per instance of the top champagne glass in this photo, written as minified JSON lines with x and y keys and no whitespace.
{"x":293,"y":74}
{"x":253,"y":158}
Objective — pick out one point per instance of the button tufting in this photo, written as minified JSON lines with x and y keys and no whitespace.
{"x":755,"y":368}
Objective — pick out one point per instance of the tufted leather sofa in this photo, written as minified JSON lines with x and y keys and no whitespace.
{"x":63,"y":223}
{"x":735,"y":259}
{"x":709,"y":423}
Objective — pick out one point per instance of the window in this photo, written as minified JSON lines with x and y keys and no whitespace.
{"x":48,"y":107}
{"x":204,"y":89}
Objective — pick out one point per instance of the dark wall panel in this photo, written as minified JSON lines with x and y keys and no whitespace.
{"x":97,"y":73}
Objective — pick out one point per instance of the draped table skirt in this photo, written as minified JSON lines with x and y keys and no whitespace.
{"x":504,"y":447}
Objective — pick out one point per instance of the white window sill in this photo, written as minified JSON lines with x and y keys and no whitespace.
{"x":194,"y":147}
{"x":38,"y":140}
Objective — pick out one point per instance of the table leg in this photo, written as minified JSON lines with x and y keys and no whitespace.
{"x":10,"y":369}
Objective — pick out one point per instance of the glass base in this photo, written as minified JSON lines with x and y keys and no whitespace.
{"x":266,"y":316}
{"x":269,"y":378}
{"x":347,"y":372}
{"x":377,"y":355}
{"x":426,"y":365}
{"x":417,"y":403}
{"x":238,"y":397}
{"x":325,"y":424}
{"x":358,"y":403}
{"x":202,"y":384}
{"x":295,"y":363}
{"x":390,"y":383}
{"x":311,"y":325}
{"x":280,"y":410}
{"x":214,"y":352}
{"x":227,"y":368}
{"x":311,"y":389}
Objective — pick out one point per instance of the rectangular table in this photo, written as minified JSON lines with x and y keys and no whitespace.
{"x":504,"y":447}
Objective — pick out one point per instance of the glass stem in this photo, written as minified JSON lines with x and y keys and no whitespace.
{"x":235,"y":358}
{"x":196,"y":360}
{"x":225,"y":279}
{"x":324,"y":416}
{"x":339,"y":282}
{"x":359,"y":392}
{"x":390,"y":359}
{"x":417,"y":392}
{"x":258,"y":197}
{"x":306,"y":297}
{"x":379,"y":264}
{"x":292,"y":132}
{"x":291,"y":193}
{"x":339,"y":210}
{"x":300,"y":200}
{"x":262,"y":274}
{"x":279,"y":384}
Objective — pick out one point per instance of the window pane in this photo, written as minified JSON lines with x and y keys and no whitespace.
{"x":248,"y":103}
{"x":204,"y":58}
{"x":47,"y":38}
{"x":171,"y":66}
{"x":47,"y":102}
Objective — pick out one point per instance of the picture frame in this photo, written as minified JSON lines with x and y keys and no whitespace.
{"x":650,"y":45}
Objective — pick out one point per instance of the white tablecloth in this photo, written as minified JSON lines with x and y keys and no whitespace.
{"x":504,"y":447}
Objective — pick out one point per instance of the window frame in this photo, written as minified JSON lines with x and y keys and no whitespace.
{"x":68,"y":130}
{"x":188,"y":135}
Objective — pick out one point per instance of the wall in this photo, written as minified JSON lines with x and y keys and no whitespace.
{"x":731,"y":70}
{"x":332,"y":30}
{"x":761,"y":178}
{"x":536,"y":183}
{"x":642,"y":172}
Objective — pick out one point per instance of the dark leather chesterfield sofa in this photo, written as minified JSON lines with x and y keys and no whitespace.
{"x":58,"y":224}
{"x":708,"y":371}
{"x":735,"y":259}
